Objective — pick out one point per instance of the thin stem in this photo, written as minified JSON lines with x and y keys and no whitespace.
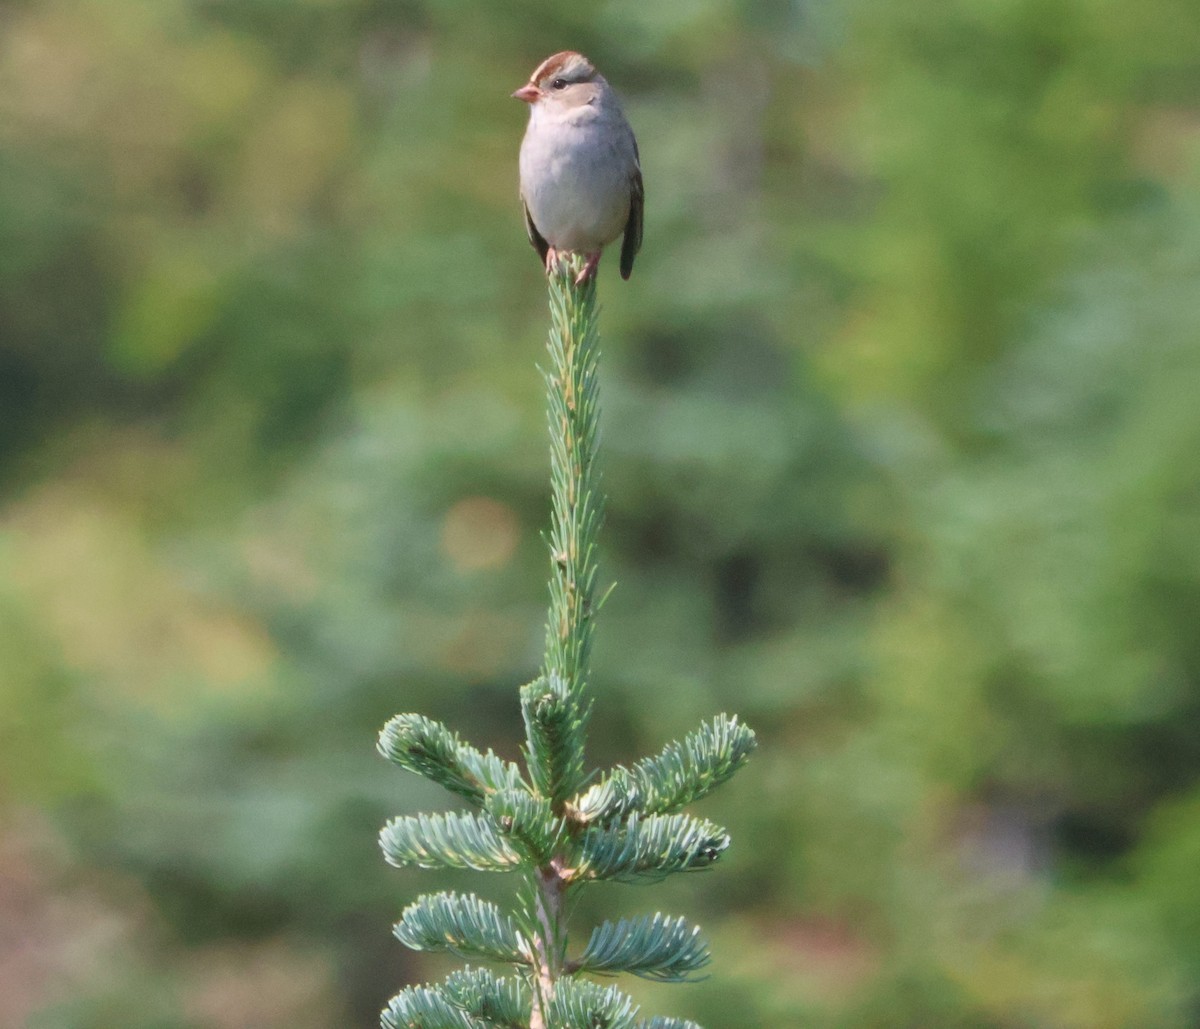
{"x":576,"y":510}
{"x":549,"y":893}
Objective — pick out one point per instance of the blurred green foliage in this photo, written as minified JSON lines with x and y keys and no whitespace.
{"x":901,"y":439}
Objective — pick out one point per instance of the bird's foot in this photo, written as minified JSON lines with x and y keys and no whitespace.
{"x":555,"y":256}
{"x":589,"y":268}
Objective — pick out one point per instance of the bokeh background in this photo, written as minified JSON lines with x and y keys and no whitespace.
{"x":902,"y":446}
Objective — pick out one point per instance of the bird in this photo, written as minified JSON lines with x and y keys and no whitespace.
{"x":581,"y":175}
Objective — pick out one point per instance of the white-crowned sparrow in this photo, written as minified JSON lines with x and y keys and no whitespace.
{"x":581,"y":183}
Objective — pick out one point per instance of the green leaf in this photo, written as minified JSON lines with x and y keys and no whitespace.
{"x":682,"y":773}
{"x":428,"y":748}
{"x":579,"y":1004}
{"x":425,"y":1007}
{"x":529,"y":821}
{"x":452,"y":840}
{"x":650,"y":848}
{"x":463,"y":925}
{"x":654,"y":947}
{"x":501,"y":1002}
{"x":554,"y":731}
{"x":660,"y":1022}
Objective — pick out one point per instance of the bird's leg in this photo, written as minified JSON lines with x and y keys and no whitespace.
{"x":589,"y":268}
{"x":551,"y":260}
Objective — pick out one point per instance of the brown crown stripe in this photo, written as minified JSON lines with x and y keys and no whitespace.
{"x":557,"y":63}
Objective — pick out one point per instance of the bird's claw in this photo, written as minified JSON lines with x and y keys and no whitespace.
{"x":589,"y":268}
{"x":553,"y":256}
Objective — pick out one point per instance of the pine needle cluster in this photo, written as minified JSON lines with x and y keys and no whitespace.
{"x":554,"y":822}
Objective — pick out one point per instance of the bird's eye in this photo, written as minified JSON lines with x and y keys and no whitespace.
{"x":558,"y":84}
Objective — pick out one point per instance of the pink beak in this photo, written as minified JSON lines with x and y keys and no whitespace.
{"x":529,"y":93}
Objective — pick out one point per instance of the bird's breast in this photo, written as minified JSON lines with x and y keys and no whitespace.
{"x":575,"y":183}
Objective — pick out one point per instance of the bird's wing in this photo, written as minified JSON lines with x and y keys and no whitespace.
{"x":632,"y":242}
{"x":535,"y":237}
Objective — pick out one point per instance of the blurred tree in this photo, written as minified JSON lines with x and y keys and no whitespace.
{"x":899,"y":449}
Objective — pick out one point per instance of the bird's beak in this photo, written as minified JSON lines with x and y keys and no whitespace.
{"x":529,"y":93}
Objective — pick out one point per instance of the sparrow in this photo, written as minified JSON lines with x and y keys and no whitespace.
{"x":581,"y":180}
